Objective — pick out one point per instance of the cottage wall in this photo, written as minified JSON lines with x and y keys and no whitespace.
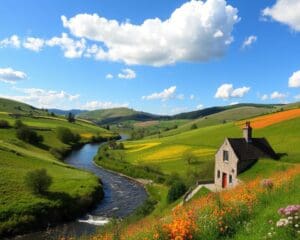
{"x":227,"y":168}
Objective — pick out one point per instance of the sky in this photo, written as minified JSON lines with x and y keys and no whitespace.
{"x":162,"y":57}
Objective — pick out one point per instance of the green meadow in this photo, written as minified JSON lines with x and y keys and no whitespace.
{"x":72,"y":191}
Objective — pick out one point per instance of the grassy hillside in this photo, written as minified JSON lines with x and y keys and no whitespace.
{"x":116,"y":115}
{"x":212,"y":110}
{"x":167,"y":153}
{"x":72,"y":191}
{"x":14,"y":107}
{"x":226,"y":116}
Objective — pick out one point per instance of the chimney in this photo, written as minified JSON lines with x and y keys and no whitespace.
{"x":247,"y":132}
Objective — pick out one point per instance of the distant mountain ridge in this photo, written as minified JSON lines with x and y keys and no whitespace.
{"x":65,"y":112}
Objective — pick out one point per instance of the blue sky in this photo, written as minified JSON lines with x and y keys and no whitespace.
{"x":162,"y":57}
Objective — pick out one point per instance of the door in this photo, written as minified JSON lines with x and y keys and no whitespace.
{"x":224,"y":180}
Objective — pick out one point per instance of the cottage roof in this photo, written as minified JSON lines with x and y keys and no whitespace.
{"x":257,"y":148}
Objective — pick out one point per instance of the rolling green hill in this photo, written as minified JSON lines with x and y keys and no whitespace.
{"x":117,"y":115}
{"x":14,"y":107}
{"x":72,"y":190}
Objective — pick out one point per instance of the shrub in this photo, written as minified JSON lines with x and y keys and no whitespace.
{"x":19,"y":124}
{"x":38,"y":181}
{"x":194,"y":126}
{"x":176,"y":190}
{"x":4,"y":124}
{"x":66,"y":136}
{"x":28,"y":135}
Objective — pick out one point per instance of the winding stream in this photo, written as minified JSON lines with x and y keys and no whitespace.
{"x":121,"y":197}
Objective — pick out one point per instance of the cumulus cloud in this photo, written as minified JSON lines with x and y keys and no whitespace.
{"x":10,"y":75}
{"x":264,"y":97}
{"x":286,"y":12}
{"x":34,"y":44}
{"x":294,"y":80}
{"x":109,"y":76}
{"x":227,"y":91}
{"x":165,"y":95}
{"x":127,"y":74}
{"x":200,"y":106}
{"x":156,"y":42}
{"x":93,"y":105}
{"x":42,"y":98}
{"x":249,"y":41}
{"x":278,"y":95}
{"x":12,"y":41}
{"x":71,"y":48}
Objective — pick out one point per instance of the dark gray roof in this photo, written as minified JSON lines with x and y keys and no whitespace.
{"x":257,"y":148}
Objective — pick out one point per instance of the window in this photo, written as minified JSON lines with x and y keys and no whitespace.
{"x":219,"y":174}
{"x":225,"y":155}
{"x":230,"y":178}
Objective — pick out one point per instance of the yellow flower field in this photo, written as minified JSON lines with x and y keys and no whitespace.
{"x":140,"y":147}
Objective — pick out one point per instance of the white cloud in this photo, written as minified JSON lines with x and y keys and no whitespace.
{"x":294,"y":80}
{"x":93,"y":105}
{"x":43,"y":98}
{"x":233,"y":103}
{"x":249,"y":41}
{"x":226,"y":91}
{"x":286,"y":12}
{"x":278,"y":95}
{"x":10,"y":75}
{"x":156,"y":42}
{"x":240,"y":92}
{"x":12,"y":41}
{"x":165,"y":95}
{"x":264,"y":97}
{"x":192,"y":96}
{"x":109,"y":76}
{"x":127,"y":74}
{"x":200,"y":106}
{"x":297,"y":97}
{"x":72,"y":48}
{"x":34,"y":44}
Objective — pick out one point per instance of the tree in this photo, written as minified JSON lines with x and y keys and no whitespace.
{"x":189,"y":157}
{"x":176,"y":190}
{"x":4,"y":124}
{"x":194,"y":126}
{"x":71,"y":117}
{"x":38,"y":181}
{"x":19,"y":124}
{"x":66,"y":136}
{"x":28,"y":135}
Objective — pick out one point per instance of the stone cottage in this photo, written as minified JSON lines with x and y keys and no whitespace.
{"x":237,"y":155}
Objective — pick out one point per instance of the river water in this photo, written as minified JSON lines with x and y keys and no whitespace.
{"x":121,"y":197}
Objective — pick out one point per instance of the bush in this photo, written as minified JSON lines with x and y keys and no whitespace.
{"x":38,"y":181}
{"x":194,"y":126}
{"x":176,"y":190}
{"x":66,"y":136}
{"x":18,"y":124}
{"x":28,"y":135}
{"x":4,"y":124}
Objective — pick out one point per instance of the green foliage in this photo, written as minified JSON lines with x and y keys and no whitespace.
{"x":28,"y":135}
{"x":189,"y":157}
{"x":66,"y":136}
{"x":176,"y":190}
{"x":18,"y":124}
{"x":194,"y":126}
{"x":38,"y":181}
{"x":71,"y":117}
{"x":4,"y":124}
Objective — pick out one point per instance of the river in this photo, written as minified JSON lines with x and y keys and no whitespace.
{"x":121,"y":197}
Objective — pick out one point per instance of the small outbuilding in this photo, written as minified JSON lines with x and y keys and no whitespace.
{"x":237,"y":155}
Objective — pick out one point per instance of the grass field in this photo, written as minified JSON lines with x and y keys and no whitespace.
{"x":166,"y":153}
{"x":71,"y":192}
